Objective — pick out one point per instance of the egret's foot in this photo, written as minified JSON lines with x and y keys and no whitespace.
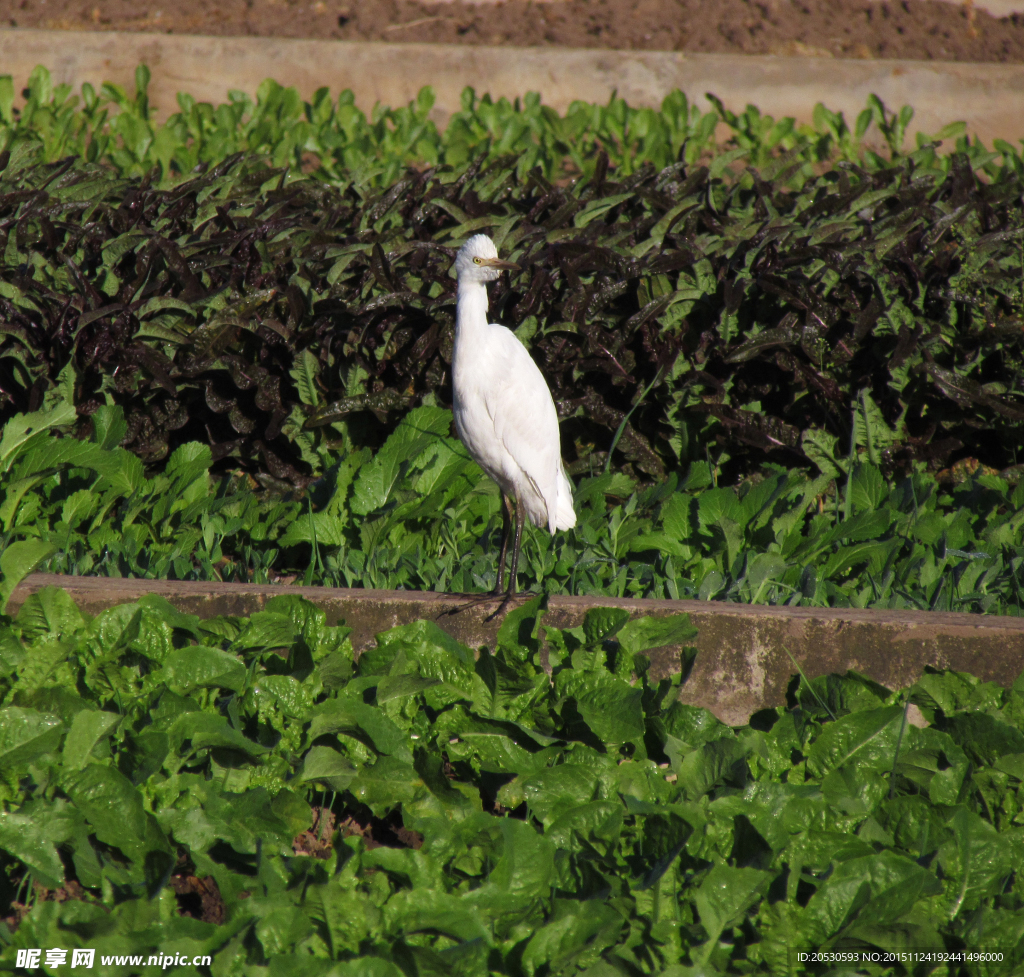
{"x":476,"y":600}
{"x":471,"y":601}
{"x":508,"y":599}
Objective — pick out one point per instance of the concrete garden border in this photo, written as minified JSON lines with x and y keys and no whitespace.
{"x":988,"y":97}
{"x":742,"y":662}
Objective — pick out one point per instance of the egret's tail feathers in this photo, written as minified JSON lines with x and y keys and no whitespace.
{"x":565,"y":515}
{"x":539,"y":507}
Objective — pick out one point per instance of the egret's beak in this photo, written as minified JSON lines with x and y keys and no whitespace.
{"x":500,"y":265}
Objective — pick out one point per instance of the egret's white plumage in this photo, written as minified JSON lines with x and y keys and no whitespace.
{"x":503,"y":409}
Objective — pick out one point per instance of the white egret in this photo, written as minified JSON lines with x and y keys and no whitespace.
{"x":503,"y":410}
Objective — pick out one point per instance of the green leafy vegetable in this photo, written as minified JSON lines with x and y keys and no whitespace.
{"x":430,"y":808}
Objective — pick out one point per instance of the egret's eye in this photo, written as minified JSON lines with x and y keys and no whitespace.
{"x":477,"y":261}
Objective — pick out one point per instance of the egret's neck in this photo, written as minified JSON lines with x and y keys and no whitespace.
{"x":471,"y":308}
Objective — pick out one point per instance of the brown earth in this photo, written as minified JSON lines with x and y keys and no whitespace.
{"x":918,"y":29}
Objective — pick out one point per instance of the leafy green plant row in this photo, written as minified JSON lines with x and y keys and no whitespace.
{"x":246,"y":789}
{"x":677,"y":315}
{"x":419,"y":514}
{"x":119,"y":129}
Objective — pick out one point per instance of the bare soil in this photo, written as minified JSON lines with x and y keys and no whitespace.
{"x":916,"y":29}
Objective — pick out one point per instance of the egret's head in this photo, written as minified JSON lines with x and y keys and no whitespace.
{"x":478,"y":261}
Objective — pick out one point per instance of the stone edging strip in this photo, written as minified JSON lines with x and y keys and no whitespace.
{"x":742,"y":664}
{"x":988,"y":97}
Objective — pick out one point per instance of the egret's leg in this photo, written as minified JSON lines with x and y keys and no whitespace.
{"x":520,"y":519}
{"x":506,"y":531}
{"x":510,"y":592}
{"x":511,"y":589}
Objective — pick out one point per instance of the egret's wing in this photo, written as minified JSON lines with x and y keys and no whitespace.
{"x":526,"y":423}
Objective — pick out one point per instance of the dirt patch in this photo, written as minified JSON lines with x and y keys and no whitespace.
{"x":69,"y":890}
{"x":387,"y":832}
{"x":198,"y":898}
{"x":318,"y":841}
{"x":915,"y":29}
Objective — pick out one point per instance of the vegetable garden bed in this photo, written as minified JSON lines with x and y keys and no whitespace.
{"x":419,"y":515}
{"x":243,"y":789}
